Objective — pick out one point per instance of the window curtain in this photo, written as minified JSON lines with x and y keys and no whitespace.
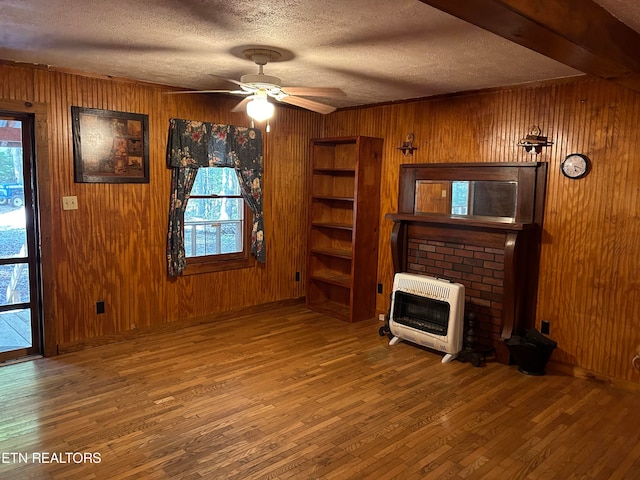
{"x":192,"y":145}
{"x":241,"y":148}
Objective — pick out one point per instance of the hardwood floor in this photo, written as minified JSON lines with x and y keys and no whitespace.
{"x":291,"y":394}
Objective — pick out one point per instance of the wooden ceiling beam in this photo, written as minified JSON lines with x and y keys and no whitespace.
{"x":577,"y":33}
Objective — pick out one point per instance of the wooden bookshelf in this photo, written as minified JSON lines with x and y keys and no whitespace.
{"x":344,"y":209}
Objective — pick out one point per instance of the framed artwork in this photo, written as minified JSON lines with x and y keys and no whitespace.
{"x":110,"y":147}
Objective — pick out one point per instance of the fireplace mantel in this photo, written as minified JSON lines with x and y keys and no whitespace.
{"x":495,"y":258}
{"x":426,"y":224}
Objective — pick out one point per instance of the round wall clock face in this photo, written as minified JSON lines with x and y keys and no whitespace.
{"x":575,"y":165}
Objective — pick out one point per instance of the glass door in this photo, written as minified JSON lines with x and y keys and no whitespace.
{"x":19,"y":292}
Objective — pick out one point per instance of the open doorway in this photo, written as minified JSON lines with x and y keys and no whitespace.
{"x":20,"y":319}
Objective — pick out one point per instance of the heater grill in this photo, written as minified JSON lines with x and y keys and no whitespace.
{"x":422,"y":313}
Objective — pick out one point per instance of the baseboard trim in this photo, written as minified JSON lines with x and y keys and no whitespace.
{"x":168,"y":327}
{"x":579,"y":372}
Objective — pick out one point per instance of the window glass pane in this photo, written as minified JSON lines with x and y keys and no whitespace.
{"x":214,"y":209}
{"x":16,"y":332}
{"x":231,"y":233}
{"x":13,"y":235}
{"x":14,"y":284}
{"x":214,"y":226}
{"x":216,"y":181}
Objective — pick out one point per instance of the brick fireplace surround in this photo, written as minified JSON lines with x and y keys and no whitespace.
{"x":497,"y":264}
{"x":479,"y":269}
{"x":495,"y":258}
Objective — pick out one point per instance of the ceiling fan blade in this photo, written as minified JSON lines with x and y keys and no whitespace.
{"x":314,"y":91}
{"x":308,"y":104}
{"x":242,"y":105}
{"x":227,"y":79}
{"x":238,"y":92}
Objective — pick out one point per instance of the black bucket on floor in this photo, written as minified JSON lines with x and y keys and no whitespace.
{"x":531,"y":352}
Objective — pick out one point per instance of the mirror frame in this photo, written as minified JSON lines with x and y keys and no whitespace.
{"x":529,"y":177}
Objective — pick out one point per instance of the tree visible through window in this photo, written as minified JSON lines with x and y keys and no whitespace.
{"x":214,"y":220}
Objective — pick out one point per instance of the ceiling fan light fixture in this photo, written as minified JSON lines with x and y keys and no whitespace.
{"x":260,"y":109}
{"x":257,"y":89}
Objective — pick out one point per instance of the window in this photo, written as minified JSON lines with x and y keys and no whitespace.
{"x":216,"y":226}
{"x":460,"y":198}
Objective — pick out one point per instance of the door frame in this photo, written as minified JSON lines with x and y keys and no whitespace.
{"x":44,"y":222}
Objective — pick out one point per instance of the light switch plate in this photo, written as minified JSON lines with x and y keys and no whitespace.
{"x":70,"y":203}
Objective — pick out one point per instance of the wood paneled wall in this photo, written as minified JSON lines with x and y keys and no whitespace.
{"x":113,"y":247}
{"x":589,"y":281}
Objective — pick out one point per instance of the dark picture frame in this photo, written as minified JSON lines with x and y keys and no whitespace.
{"x":110,"y":146}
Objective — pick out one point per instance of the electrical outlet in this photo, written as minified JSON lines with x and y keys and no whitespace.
{"x":379,"y":288}
{"x":297,"y":276}
{"x":99,"y":307}
{"x":381,"y":317}
{"x":70,"y":203}
{"x":544,"y":327}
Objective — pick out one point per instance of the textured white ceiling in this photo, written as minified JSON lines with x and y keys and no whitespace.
{"x":375,"y":50}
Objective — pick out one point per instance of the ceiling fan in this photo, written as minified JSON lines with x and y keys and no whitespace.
{"x":259,"y":87}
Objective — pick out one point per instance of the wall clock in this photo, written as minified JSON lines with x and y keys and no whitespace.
{"x":575,"y":165}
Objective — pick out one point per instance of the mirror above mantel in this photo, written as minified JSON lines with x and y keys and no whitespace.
{"x":492,"y":200}
{"x":484,"y":192}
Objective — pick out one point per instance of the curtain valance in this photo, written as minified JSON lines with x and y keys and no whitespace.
{"x":194,"y":144}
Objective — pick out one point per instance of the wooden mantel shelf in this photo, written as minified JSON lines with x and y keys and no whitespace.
{"x":494,"y":223}
{"x":500,"y":235}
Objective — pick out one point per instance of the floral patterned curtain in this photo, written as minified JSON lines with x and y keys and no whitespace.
{"x":242,"y":149}
{"x":182,"y":180}
{"x":194,"y":144}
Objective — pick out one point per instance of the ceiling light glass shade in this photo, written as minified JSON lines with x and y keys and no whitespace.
{"x":260,"y":109}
